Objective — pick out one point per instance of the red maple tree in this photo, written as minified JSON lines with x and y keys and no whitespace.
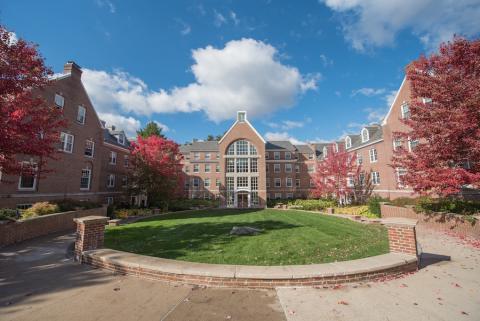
{"x":29,"y":128}
{"x":444,"y":121}
{"x":335,"y":175}
{"x":156,"y":169}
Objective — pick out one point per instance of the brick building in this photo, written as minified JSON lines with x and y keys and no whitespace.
{"x":243,"y":170}
{"x":87,"y":168}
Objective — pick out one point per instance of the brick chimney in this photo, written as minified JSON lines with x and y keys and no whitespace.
{"x":72,"y":68}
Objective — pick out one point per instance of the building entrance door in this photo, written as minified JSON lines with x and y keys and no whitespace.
{"x":242,"y":200}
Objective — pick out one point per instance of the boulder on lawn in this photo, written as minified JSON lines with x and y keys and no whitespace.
{"x":245,"y":230}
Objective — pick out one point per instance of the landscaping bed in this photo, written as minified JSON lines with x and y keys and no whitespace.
{"x":288,"y":237}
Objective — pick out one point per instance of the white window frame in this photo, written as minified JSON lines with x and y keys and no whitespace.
{"x":207,"y":168}
{"x":297,"y":168}
{"x":287,"y":181}
{"x":93,"y":148}
{"x":111,"y":180}
{"x":206,"y":182}
{"x":207,"y":156}
{"x":297,"y":182}
{"x":410,"y":149}
{"x":64,"y":142}
{"x":89,"y":170}
{"x":375,"y":178}
{"x":395,"y":141}
{"x":196,"y":155}
{"x":275,"y":167}
{"x":279,"y":180}
{"x":217,"y":168}
{"x":373,"y":155}
{"x":83,"y":114}
{"x":60,"y":103}
{"x":20,"y":188}
{"x":348,"y":142}
{"x":112,"y":160}
{"x":359,"y":159}
{"x":365,"y":135}
{"x":196,"y":168}
{"x":278,"y":196}
{"x":288,"y":155}
{"x":288,"y":168}
{"x":276,"y":155}
{"x":289,"y":196}
{"x":109,"y":200}
{"x":405,"y":114}
{"x":325,"y":151}
{"x":399,"y":170}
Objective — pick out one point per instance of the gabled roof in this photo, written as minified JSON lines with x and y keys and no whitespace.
{"x":109,"y":136}
{"x":280,"y":145}
{"x":206,"y":146}
{"x":246,"y":122}
{"x":304,"y":149}
{"x":384,"y":122}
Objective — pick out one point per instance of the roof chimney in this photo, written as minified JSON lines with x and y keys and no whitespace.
{"x":72,"y":68}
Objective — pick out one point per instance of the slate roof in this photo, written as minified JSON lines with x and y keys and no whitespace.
{"x":304,"y":149}
{"x":280,"y":145}
{"x":109,"y":137}
{"x":375,"y":132}
{"x":206,"y":146}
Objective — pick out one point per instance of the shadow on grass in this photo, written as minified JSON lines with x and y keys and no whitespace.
{"x":177,"y":240}
{"x":215,"y":212}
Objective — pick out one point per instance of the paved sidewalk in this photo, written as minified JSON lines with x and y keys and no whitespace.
{"x":39,"y":281}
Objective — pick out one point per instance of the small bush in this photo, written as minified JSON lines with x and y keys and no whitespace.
{"x":362,"y":210}
{"x":374,"y":204}
{"x":39,"y":209}
{"x":67,"y":204}
{"x":311,"y":204}
{"x":186,"y":204}
{"x":447,"y":205}
{"x":404,"y":201}
{"x":8,"y":214}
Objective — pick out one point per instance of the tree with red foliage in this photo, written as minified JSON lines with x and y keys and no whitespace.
{"x":29,"y":128}
{"x":156,"y":169}
{"x":444,"y":120}
{"x":335,"y":175}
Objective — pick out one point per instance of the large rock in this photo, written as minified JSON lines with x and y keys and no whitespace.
{"x":245,"y":230}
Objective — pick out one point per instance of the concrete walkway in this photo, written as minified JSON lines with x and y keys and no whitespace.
{"x":38,"y":281}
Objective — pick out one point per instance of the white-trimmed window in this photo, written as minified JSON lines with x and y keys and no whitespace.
{"x":207,"y":168}
{"x":365,"y":135}
{"x":242,"y":181}
{"x":276,"y":155}
{"x":230,"y":165}
{"x":206,"y":182}
{"x":397,"y":142}
{"x":207,"y":156}
{"x":241,"y":116}
{"x":242,"y":165}
{"x":195,"y":182}
{"x":28,"y":177}
{"x":254,"y":183}
{"x":66,"y":142}
{"x":297,"y":168}
{"x":310,"y":156}
{"x":426,"y":100}
{"x":217,"y":168}
{"x":405,"y":110}
{"x":276,"y":168}
{"x":375,"y":178}
{"x":112,"y":159}
{"x":336,"y":148}
{"x":348,"y":142}
{"x":196,"y":155}
{"x":85,"y":178}
{"x":278,"y":182}
{"x":218,"y":155}
{"x":325,"y":151}
{"x":81,"y":114}
{"x":89,"y":148}
{"x":288,"y":182}
{"x":288,"y":155}
{"x":288,"y":168}
{"x":359,"y":159}
{"x":111,"y":180}
{"x":121,"y":139}
{"x":278,"y":196}
{"x":196,"y":168}
{"x":400,"y":173}
{"x":297,"y":182}
{"x":350,"y":181}
{"x":59,"y":100}
{"x":373,"y":155}
{"x":253,"y":165}
{"x":412,"y":143}
{"x":217,"y":182}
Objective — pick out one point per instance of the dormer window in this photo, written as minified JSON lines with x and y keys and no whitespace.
{"x":365,"y":135}
{"x":405,"y":110}
{"x":241,"y":116}
{"x":336,"y":148}
{"x":348,"y":142}
{"x":121,"y":139}
{"x":325,"y":151}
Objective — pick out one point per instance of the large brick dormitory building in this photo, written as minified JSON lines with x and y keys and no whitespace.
{"x":242,"y":169}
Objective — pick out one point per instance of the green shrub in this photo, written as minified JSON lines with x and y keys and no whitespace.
{"x":362,"y":210}
{"x":403,"y":201}
{"x":8,"y":214}
{"x":448,"y":205}
{"x":186,"y":204}
{"x":374,"y":204}
{"x":312,"y":204}
{"x":39,"y":209}
{"x":67,"y":204}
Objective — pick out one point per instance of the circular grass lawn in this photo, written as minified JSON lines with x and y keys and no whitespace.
{"x":289,"y":237}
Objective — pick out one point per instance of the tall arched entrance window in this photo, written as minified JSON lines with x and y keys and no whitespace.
{"x":241,"y":175}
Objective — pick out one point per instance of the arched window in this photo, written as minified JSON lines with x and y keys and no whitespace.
{"x":365,"y":135}
{"x":348,"y":142}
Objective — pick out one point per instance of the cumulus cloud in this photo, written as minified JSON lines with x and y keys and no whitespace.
{"x":128,"y":124}
{"x":374,"y":23}
{"x":288,"y":124}
{"x":106,"y":4}
{"x":368,"y":91}
{"x":273,"y":136}
{"x":244,"y":75}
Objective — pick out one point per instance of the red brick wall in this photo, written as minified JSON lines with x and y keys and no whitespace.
{"x":14,"y":232}
{"x":402,"y":239}
{"x":443,"y":222}
{"x":90,"y":234}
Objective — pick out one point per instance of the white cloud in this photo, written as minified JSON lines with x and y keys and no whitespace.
{"x":185,"y":28}
{"x":218,"y":19}
{"x":246,"y":74}
{"x":107,"y":4}
{"x":326,"y":61}
{"x":128,"y":124}
{"x":368,"y":91}
{"x":374,"y":23}
{"x":164,"y":127}
{"x":234,"y":18}
{"x":375,"y":115}
{"x":273,"y":136}
{"x":390,"y":97}
{"x":288,"y":124}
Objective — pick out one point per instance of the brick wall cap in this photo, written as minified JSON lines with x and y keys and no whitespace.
{"x":391,"y":221}
{"x":91,"y":219}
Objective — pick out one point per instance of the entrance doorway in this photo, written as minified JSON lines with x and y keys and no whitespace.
{"x":242,"y":200}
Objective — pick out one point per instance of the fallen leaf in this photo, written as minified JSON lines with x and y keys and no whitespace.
{"x":342,"y":302}
{"x":116,"y":289}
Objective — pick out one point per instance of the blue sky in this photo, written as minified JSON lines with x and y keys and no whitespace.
{"x":304,"y":70}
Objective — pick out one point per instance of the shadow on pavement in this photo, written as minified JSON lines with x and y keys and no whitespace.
{"x":427,"y":259}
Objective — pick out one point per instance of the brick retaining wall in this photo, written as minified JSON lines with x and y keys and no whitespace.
{"x":443,"y":222}
{"x":14,"y":232}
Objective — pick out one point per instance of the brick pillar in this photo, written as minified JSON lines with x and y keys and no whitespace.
{"x":401,"y":235}
{"x":90,"y":231}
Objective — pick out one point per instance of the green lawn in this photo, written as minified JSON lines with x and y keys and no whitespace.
{"x":289,"y":237}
